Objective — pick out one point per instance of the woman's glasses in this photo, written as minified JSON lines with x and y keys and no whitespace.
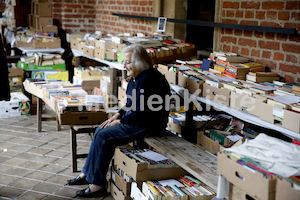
{"x":126,"y":62}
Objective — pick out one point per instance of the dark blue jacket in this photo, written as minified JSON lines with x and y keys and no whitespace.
{"x":147,"y":83}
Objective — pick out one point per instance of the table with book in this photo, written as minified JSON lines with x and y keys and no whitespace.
{"x":71,"y":103}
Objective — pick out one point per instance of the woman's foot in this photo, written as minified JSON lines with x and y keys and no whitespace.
{"x":92,"y":191}
{"x":79,"y":180}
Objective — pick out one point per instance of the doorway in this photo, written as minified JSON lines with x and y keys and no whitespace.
{"x":202,"y":37}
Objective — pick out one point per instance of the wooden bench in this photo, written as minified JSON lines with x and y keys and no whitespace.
{"x":190,"y":157}
{"x":79,"y":129}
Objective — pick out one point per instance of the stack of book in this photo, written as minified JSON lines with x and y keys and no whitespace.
{"x":185,"y":187}
{"x":262,"y":76}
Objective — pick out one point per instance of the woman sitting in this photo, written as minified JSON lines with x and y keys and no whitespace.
{"x":145,"y":115}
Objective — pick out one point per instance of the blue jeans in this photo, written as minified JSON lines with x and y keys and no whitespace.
{"x":103,"y":147}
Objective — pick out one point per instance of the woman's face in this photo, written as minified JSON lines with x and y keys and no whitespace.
{"x":131,"y":70}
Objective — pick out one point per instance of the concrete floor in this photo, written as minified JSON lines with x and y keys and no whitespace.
{"x":36,"y":165}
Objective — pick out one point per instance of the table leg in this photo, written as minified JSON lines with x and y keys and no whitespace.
{"x":58,"y":126}
{"x":39,"y":114}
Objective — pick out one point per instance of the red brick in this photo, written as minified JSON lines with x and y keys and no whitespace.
{"x":260,"y":14}
{"x":73,"y":6}
{"x":291,"y":58}
{"x":268,"y":45}
{"x":228,"y":31}
{"x":226,"y":48}
{"x":267,"y":23}
{"x":248,"y":22}
{"x":298,"y":80}
{"x":230,"y":13}
{"x":227,"y":39}
{"x":281,"y":37}
{"x":292,"y":5}
{"x":271,"y":15}
{"x":255,"y":53}
{"x":289,"y":68}
{"x":278,"y":56}
{"x":239,"y":13}
{"x":266,"y":54}
{"x":282,"y":15}
{"x":294,"y":38}
{"x":290,"y":25}
{"x":272,"y":5}
{"x":293,"y":48}
{"x":249,"y":14}
{"x":248,"y":33}
{"x":296,"y":15}
{"x":250,"y":5}
{"x":288,"y":79}
{"x":235,"y":49}
{"x":247,"y":42}
{"x":230,"y":21}
{"x":245,"y":51}
{"x":259,"y":34}
{"x":143,"y":3}
{"x":270,"y":36}
{"x":229,"y":4}
{"x":238,"y":32}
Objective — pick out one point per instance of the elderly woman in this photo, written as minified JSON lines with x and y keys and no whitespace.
{"x":144,"y":115}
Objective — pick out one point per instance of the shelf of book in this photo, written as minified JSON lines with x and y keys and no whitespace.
{"x":241,"y":115}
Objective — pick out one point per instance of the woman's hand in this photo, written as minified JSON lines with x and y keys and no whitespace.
{"x":111,"y":120}
{"x":114,"y":123}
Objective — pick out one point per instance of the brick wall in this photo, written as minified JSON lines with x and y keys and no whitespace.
{"x":75,"y":15}
{"x":279,"y":52}
{"x":108,"y":23}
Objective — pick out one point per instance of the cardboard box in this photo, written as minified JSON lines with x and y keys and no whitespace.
{"x":15,"y":71}
{"x":31,"y":66}
{"x":252,"y":182}
{"x":83,"y":118}
{"x":291,"y":120}
{"x":111,"y":56}
{"x":88,"y":51}
{"x":175,"y":127}
{"x":169,"y":75}
{"x":285,"y":190}
{"x":136,"y":193}
{"x":144,"y":171}
{"x":190,"y":84}
{"x":74,"y":43}
{"x":122,"y":96}
{"x":216,"y":94}
{"x":80,"y":47}
{"x":42,"y":9}
{"x":41,"y":22}
{"x":102,"y":44}
{"x":122,"y":184}
{"x":90,"y":75}
{"x":90,"y":43}
{"x":235,"y":193}
{"x":46,"y":45}
{"x":24,"y":44}
{"x":208,"y":144}
{"x":50,"y":75}
{"x":116,"y":193}
{"x":89,"y":85}
{"x":244,"y":103}
{"x":50,"y":28}
{"x":99,"y":53}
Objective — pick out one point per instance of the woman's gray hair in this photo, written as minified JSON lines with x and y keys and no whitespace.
{"x":139,"y":57}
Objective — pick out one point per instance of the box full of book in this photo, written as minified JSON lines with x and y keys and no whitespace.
{"x":207,"y":143}
{"x":170,"y":75}
{"x":183,"y":187}
{"x":90,"y":72}
{"x":288,"y":188}
{"x":138,"y":166}
{"x":243,"y":102}
{"x":257,"y":183}
{"x":116,"y":193}
{"x":216,"y":94}
{"x":191,"y":83}
{"x":236,"y":193}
